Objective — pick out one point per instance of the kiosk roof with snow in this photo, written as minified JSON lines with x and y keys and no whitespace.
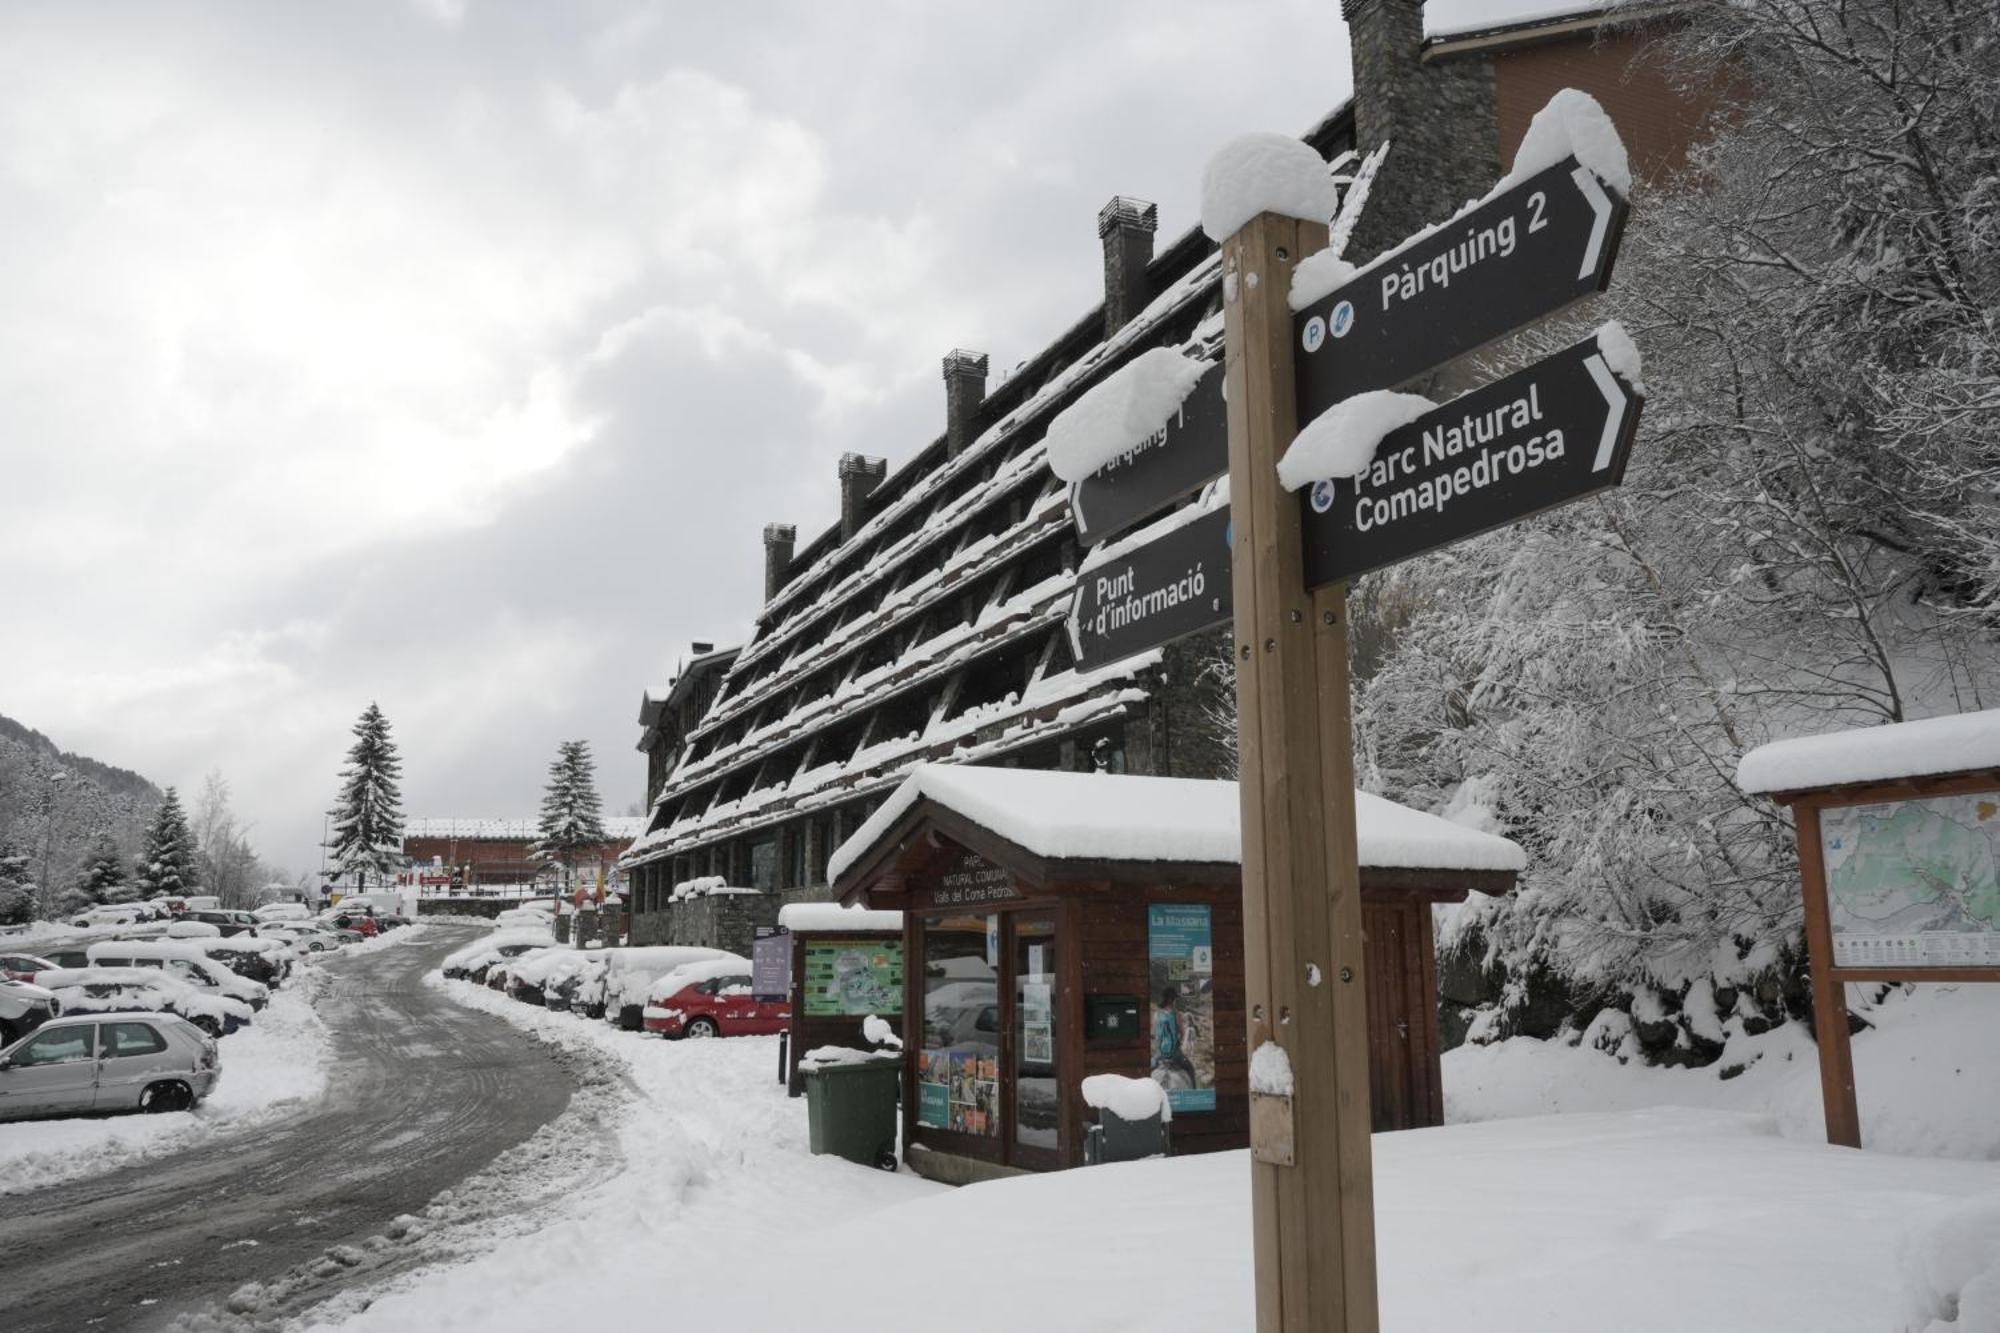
{"x":1062,"y":925}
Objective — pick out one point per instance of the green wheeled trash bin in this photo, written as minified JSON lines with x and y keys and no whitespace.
{"x":852,"y":1106}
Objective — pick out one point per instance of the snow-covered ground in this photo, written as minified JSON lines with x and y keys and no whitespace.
{"x":279,"y":1060}
{"x":1926,"y":1076}
{"x":1646,"y":1217}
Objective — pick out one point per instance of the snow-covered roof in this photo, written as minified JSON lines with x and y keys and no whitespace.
{"x":1445,"y":19}
{"x":1954,"y":744}
{"x":1107,"y":817}
{"x":832,"y":918}
{"x":616,"y":828}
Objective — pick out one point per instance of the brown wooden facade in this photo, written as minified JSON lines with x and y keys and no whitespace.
{"x":942,"y":870}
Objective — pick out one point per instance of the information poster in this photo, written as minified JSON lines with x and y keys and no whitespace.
{"x":1914,"y":883}
{"x":959,"y":1090}
{"x":1038,"y":1027}
{"x":771,"y":966}
{"x":1181,"y":966}
{"x":853,"y":977}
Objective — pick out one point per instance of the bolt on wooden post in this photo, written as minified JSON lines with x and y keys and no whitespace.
{"x":1312,"y":1177}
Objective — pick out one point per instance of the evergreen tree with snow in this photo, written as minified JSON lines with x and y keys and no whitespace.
{"x":368,"y":821}
{"x":17,"y":888}
{"x":171,"y":863}
{"x":571,"y":812}
{"x":104,"y":878}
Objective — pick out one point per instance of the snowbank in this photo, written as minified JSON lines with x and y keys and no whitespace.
{"x":268,"y":1069}
{"x":1341,"y":441}
{"x":1875,"y":754}
{"x":1121,"y":411}
{"x":1264,"y":173}
{"x":1126,"y":818}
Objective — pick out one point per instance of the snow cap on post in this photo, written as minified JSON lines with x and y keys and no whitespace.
{"x":1264,"y":173}
{"x":1341,"y":441}
{"x":1572,"y":123}
{"x":1121,"y":413}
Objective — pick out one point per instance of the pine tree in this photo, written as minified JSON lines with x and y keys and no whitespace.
{"x":170,"y":863}
{"x":571,"y":812}
{"x":104,"y":878}
{"x":17,"y":889}
{"x":368,"y":821}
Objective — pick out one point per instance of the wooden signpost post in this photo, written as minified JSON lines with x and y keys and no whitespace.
{"x":1277,"y":565}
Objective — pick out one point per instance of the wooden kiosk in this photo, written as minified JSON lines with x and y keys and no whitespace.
{"x":1899,"y":860}
{"x":1058,"y":925}
{"x":846,"y":963}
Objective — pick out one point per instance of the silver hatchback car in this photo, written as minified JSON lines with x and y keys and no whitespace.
{"x":107,"y":1062}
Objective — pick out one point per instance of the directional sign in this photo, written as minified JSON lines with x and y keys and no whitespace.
{"x":1161,"y":590}
{"x":1555,"y":432}
{"x":1189,"y":451}
{"x":1524,"y":254}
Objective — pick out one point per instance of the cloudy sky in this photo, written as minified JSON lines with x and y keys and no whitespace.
{"x":452,"y":355}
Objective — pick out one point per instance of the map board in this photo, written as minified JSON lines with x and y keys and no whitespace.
{"x":853,"y":977}
{"x":1914,"y":884}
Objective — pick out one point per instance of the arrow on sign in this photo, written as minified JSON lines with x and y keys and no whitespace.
{"x":1162,"y":589}
{"x":1524,"y":254}
{"x":1191,"y":450}
{"x":1556,"y":432}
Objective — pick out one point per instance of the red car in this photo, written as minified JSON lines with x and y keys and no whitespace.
{"x":23,"y":966}
{"x":712,"y":999}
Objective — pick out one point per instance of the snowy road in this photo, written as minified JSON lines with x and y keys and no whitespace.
{"x":422,"y":1094}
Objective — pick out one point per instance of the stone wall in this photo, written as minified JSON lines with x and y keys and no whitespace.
{"x":717,"y":921}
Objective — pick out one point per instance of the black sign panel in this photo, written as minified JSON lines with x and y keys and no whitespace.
{"x":1537,"y":247}
{"x":1555,"y":432}
{"x":1172,"y":586}
{"x":1190,"y":451}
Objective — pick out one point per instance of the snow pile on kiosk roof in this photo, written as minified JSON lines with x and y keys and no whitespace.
{"x":832,"y":918}
{"x":1951,"y":744}
{"x":1116,"y":416}
{"x":1101,"y":816}
{"x":1264,"y":173}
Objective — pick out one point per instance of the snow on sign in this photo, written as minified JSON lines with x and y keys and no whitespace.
{"x":1527,"y":252}
{"x":1555,"y":432}
{"x":1914,"y":883}
{"x":1191,"y":450}
{"x":1154,"y":591}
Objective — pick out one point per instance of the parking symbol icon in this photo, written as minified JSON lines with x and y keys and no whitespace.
{"x":1314,"y":334}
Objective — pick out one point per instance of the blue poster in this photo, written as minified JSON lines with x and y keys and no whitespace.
{"x":1180,"y":952}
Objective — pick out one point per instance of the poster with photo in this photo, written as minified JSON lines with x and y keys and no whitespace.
{"x":1180,"y":955}
{"x":973,"y":1089}
{"x":1038,"y":1028}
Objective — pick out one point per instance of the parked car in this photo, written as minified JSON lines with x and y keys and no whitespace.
{"x":272,"y":912}
{"x":134,"y":1062}
{"x":550,"y":976}
{"x":24,"y":1007}
{"x":227,"y":920}
{"x":630,"y":972}
{"x":525,"y":918}
{"x":110,"y":914}
{"x":299,"y":936}
{"x":260,"y":959}
{"x":130,"y":990}
{"x":473,"y":961}
{"x":23,"y":966}
{"x":183,"y":959}
{"x":712,"y":999}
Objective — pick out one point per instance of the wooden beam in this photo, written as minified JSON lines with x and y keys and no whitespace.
{"x":1836,"y":1059}
{"x":1312,"y":1220}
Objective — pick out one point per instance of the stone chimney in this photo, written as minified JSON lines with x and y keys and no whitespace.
{"x":859,"y":477}
{"x":964,"y":391}
{"x":1126,"y":227}
{"x":1441,"y":120}
{"x":702,"y":648}
{"x":779,"y":538}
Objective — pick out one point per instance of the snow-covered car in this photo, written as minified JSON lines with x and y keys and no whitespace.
{"x":228,"y":920}
{"x":472,"y":962}
{"x":24,"y":1007}
{"x":183,"y":959}
{"x":274,"y":912}
{"x":630,"y":972}
{"x":525,"y":918}
{"x":300,"y":937}
{"x":266,"y":960}
{"x":712,"y":999}
{"x":192,"y":930}
{"x":551,"y":977}
{"x":128,"y":990}
{"x":23,"y":966}
{"x":110,"y":914}
{"x":130,"y":1062}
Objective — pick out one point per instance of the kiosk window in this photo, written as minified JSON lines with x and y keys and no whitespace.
{"x":958,"y":1069}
